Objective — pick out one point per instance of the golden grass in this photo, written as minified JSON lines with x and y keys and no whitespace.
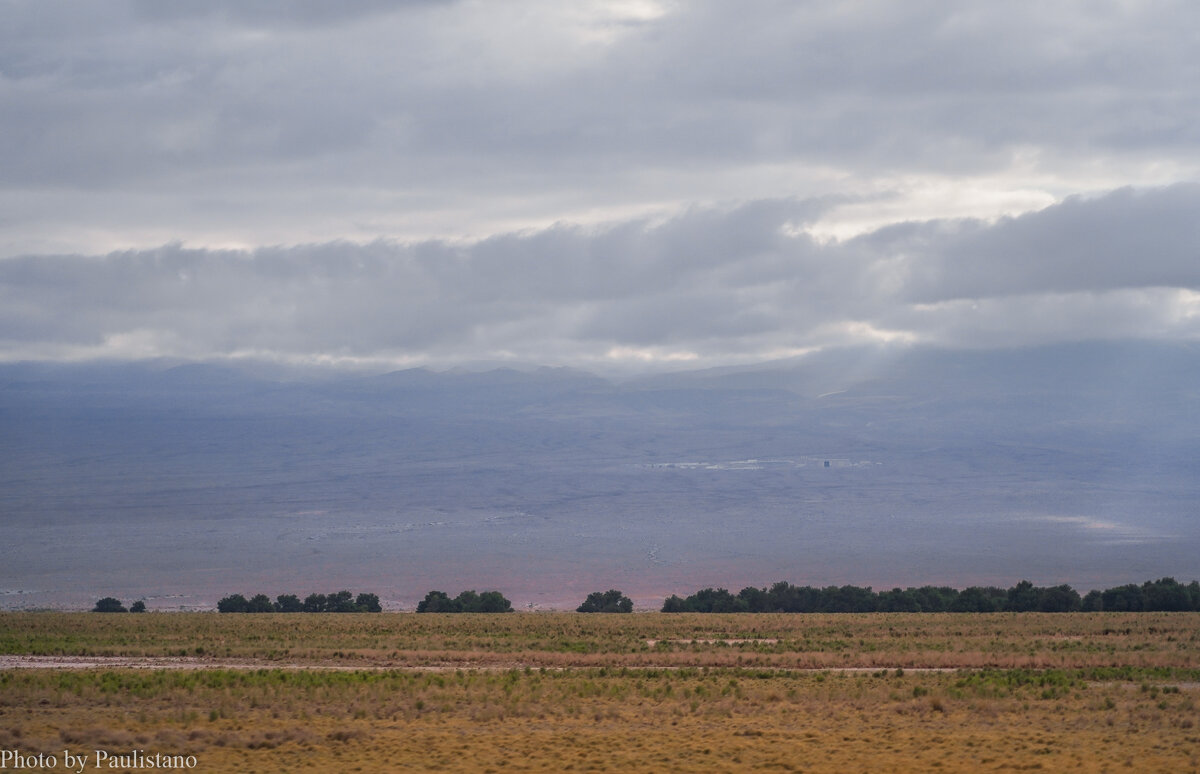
{"x":1081,"y":692}
{"x":945,"y":640}
{"x":615,"y":720}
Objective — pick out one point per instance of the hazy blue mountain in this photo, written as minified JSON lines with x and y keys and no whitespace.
{"x":183,"y":483}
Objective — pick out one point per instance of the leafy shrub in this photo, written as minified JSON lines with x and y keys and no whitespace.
{"x":109,"y":605}
{"x":465,"y":602}
{"x":611,"y":601}
{"x":337,"y":602}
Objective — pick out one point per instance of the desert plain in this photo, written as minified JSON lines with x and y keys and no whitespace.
{"x":575,"y":692}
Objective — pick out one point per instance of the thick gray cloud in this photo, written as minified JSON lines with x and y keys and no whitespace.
{"x":133,"y":124}
{"x":438,"y":179}
{"x":270,"y":13}
{"x":709,"y":285}
{"x":1127,"y":239}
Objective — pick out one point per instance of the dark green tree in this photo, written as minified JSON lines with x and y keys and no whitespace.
{"x":368,"y":603}
{"x":494,"y":602}
{"x":468,"y":602}
{"x":340,"y":602}
{"x":786,"y":598}
{"x":315,"y":603}
{"x":705,"y":600}
{"x":138,"y":607}
{"x":796,"y":599}
{"x":1166,"y":594}
{"x":898,"y":601}
{"x":1022,"y":598}
{"x":234,"y":603}
{"x":935,"y":599}
{"x":674,"y":604}
{"x":437,"y":602}
{"x":712,"y":600}
{"x":730,"y":604}
{"x":849,"y":599}
{"x":288,"y":603}
{"x":1123,"y":598}
{"x":1059,"y":599}
{"x":109,"y":605}
{"x":611,"y":601}
{"x":979,"y":599}
{"x":757,"y":600}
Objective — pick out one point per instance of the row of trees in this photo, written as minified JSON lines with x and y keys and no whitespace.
{"x":114,"y":605}
{"x":345,"y":602}
{"x":337,"y":602}
{"x":1163,"y":594}
{"x":466,"y":602}
{"x":611,"y":601}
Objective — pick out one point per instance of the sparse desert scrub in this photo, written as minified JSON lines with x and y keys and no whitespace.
{"x":944,"y":640}
{"x":643,"y":692}
{"x":615,"y":719}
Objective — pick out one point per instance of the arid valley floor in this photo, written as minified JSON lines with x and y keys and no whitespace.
{"x":641,"y":692}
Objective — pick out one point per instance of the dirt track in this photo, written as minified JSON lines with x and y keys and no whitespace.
{"x":185,"y":663}
{"x":125,"y":662}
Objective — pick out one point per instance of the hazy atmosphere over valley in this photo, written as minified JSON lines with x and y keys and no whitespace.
{"x":557,"y":297}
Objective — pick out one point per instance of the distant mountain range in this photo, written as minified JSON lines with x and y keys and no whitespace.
{"x":1072,"y":463}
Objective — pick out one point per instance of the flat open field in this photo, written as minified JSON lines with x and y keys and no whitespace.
{"x":642,"y":692}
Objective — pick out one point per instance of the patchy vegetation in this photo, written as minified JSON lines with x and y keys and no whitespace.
{"x":551,"y":720}
{"x":109,"y":605}
{"x":337,"y":602}
{"x":551,"y":692}
{"x":611,"y":601}
{"x":466,"y":602}
{"x":768,"y":640}
{"x":1165,"y":594}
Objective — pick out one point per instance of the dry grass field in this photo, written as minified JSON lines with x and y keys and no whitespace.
{"x":643,"y":692}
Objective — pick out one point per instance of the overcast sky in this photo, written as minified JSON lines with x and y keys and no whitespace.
{"x":593,"y":183}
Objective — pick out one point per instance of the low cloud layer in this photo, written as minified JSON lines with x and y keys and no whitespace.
{"x":134,"y":123}
{"x":593,"y":182}
{"x":707,"y":286}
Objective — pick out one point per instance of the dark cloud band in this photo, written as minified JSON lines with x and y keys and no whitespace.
{"x":708,"y":284}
